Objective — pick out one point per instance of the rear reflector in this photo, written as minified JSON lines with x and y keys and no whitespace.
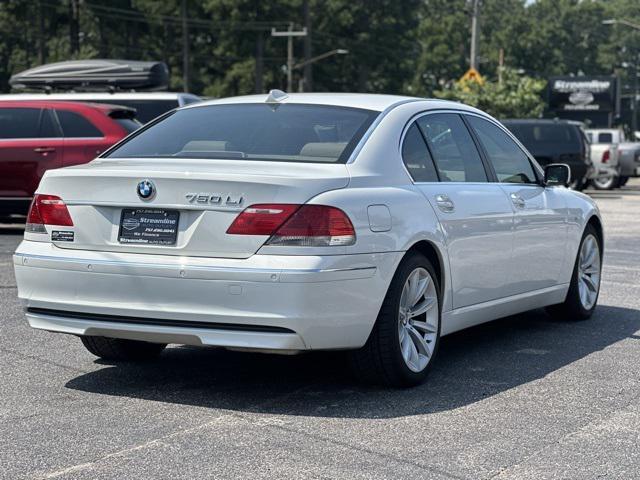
{"x":296,"y":225}
{"x":47,"y":210}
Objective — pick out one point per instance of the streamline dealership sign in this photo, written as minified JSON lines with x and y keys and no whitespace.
{"x":582,"y":94}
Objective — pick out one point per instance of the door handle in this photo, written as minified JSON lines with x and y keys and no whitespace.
{"x":445,"y":203}
{"x":44,"y":149}
{"x":517,"y":200}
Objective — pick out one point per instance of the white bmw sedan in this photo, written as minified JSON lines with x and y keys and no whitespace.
{"x":285,"y":223}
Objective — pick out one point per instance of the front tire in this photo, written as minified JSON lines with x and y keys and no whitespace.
{"x":119,"y":349}
{"x":584,"y":289}
{"x":405,"y":338}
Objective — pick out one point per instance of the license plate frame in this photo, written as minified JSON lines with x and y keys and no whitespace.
{"x":148,"y":226}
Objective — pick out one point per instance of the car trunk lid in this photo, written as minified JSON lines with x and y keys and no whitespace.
{"x":207,"y":196}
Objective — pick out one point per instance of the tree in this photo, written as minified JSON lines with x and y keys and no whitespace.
{"x":514,"y":96}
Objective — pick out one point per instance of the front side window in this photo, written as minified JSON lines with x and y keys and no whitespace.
{"x":510,"y":163}
{"x":75,"y":125}
{"x":416,"y":156}
{"x":253,"y":132}
{"x":455,"y":155}
{"x":20,"y":122}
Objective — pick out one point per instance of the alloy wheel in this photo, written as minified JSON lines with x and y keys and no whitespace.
{"x":418,"y":319}
{"x":589,"y":272}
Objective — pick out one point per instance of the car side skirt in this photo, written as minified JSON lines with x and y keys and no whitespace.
{"x":466,"y":317}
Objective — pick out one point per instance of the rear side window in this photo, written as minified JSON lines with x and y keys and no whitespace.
{"x":48,"y":128}
{"x":75,"y":125}
{"x":416,"y":156}
{"x":20,"y":122}
{"x":605,"y":138}
{"x":253,"y":132}
{"x":510,"y":163}
{"x":455,"y":155}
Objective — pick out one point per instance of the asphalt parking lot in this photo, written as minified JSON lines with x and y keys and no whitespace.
{"x":524,"y":397}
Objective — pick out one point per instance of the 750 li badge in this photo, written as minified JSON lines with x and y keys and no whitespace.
{"x":229,"y":200}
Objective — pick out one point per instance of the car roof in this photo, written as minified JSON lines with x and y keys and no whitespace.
{"x":97,"y":96}
{"x":368,"y":101}
{"x":105,"y":107}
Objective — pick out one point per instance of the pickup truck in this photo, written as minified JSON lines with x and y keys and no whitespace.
{"x":605,"y":156}
{"x":627,"y":153}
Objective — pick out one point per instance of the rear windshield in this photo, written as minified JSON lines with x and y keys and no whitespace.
{"x":533,"y":135}
{"x":129,"y":124}
{"x":146,"y":110}
{"x":261,"y":132}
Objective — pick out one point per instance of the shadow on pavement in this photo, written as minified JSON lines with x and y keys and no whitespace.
{"x":472,"y":365}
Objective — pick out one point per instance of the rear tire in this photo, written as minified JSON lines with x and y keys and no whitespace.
{"x":122,"y":350}
{"x":605,"y":183}
{"x":581,"y":299}
{"x":403,"y":343}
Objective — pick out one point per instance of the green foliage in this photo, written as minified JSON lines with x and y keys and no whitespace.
{"x":515,"y":96}
{"x":411,"y":47}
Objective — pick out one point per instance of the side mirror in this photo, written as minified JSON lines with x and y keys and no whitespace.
{"x":557,"y":174}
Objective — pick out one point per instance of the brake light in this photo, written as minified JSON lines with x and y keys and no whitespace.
{"x":261,"y":219}
{"x":605,"y":156}
{"x":296,"y":225}
{"x":47,"y":210}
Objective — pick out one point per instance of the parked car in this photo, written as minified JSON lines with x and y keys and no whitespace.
{"x":287,"y":223}
{"x":556,"y":141}
{"x":629,"y":159}
{"x":36,"y":136}
{"x":627,"y":153}
{"x":148,"y":105}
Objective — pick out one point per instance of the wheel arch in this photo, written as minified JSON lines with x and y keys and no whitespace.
{"x":596,"y":223}
{"x":433,"y":254}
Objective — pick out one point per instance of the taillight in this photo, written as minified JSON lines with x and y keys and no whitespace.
{"x":261,"y":219}
{"x":605,"y":156}
{"x":47,"y":210}
{"x":296,"y":225}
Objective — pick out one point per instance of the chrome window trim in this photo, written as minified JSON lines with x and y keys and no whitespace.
{"x":415,"y":117}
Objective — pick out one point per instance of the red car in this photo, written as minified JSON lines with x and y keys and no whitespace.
{"x":36,"y":136}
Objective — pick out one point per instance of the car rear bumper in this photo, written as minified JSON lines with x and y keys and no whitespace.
{"x":266,"y":302}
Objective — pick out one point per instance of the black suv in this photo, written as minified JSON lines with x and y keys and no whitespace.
{"x":556,"y":141}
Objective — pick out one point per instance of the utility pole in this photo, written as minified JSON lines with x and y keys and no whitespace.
{"x":185,"y":47}
{"x":634,"y":102}
{"x":475,"y":27}
{"x":74,"y":27}
{"x":259,"y":61}
{"x":42,"y":56}
{"x":289,"y":33}
{"x":290,"y":59}
{"x":307,"y":84}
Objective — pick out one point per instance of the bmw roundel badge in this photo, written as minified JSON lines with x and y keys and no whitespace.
{"x":146,"y":189}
